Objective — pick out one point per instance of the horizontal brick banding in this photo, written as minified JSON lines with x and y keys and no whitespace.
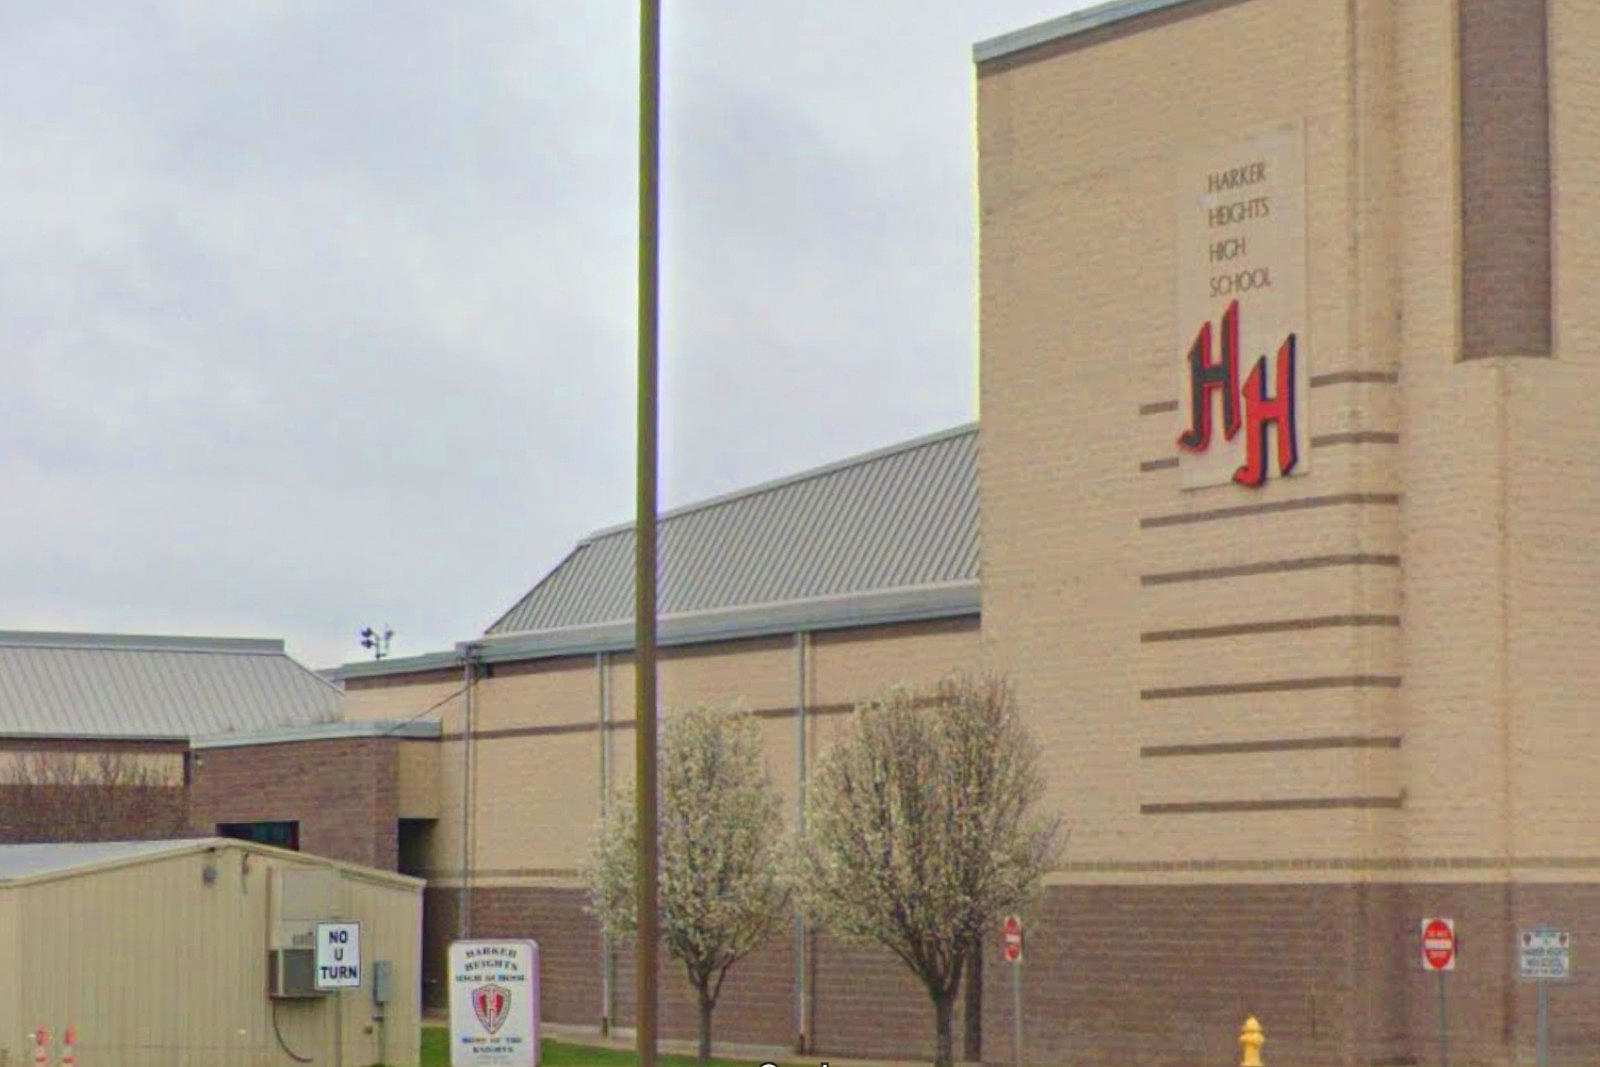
{"x":1300,"y":504}
{"x":1355,"y":377}
{"x":553,"y":729}
{"x":818,"y":709}
{"x":131,"y":745}
{"x":1293,"y":744}
{"x":1276,"y":566}
{"x":1356,"y":437}
{"x":1220,"y":807}
{"x":1317,"y":381}
{"x":447,"y":874}
{"x":390,"y":681}
{"x":1275,"y":685}
{"x":1277,"y":626}
{"x":591,"y":725}
{"x":1327,"y":440}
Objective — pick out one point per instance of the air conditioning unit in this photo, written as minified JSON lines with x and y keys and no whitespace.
{"x":291,"y":974}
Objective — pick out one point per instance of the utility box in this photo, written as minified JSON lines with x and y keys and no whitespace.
{"x":382,"y":981}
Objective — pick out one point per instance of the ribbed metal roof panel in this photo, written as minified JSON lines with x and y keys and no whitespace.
{"x":118,"y":685}
{"x":896,"y":518}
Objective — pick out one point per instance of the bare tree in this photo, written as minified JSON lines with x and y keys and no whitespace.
{"x":96,"y":796}
{"x":921,"y":824}
{"x":723,"y":891}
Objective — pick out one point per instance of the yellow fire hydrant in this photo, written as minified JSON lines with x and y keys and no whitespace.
{"x":1251,"y":1038}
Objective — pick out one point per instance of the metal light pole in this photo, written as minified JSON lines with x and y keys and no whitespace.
{"x":644,"y":585}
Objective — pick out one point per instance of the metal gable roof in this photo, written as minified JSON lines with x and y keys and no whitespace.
{"x":27,"y":861}
{"x":897,"y":518}
{"x":122,"y":685}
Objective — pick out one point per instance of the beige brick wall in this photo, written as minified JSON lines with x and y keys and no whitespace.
{"x":404,"y":696}
{"x":417,"y":780}
{"x":536,"y":749}
{"x":847,"y":666}
{"x":537,"y":801}
{"x":537,"y":693}
{"x":1097,"y":592}
{"x":1481,"y":551}
{"x":1551,"y":420}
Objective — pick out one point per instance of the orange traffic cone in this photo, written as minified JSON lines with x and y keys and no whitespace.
{"x":41,"y":1046}
{"x":69,"y":1045}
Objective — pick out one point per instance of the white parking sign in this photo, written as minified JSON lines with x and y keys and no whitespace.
{"x":1545,"y":954}
{"x":338,"y":956}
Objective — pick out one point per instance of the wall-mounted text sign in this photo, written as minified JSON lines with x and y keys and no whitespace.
{"x":1241,"y":348}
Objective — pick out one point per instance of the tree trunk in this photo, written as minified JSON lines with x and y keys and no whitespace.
{"x":972,"y":1031}
{"x":943,"y":1009}
{"x":706,"y":1006}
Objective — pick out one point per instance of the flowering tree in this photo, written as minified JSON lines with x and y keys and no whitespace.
{"x":721,"y":847}
{"x":921,"y":824}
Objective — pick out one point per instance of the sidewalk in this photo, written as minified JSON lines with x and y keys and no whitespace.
{"x":623,"y":1039}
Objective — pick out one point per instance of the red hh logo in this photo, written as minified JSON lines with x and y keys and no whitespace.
{"x":1264,"y":417}
{"x":491,"y":1003}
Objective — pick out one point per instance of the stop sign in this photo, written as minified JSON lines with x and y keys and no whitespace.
{"x":1011,"y":938}
{"x":1438,"y":945}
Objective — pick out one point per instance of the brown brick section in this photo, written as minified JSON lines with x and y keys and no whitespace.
{"x":343,"y":793}
{"x":756,"y":1006}
{"x":865,"y":1002}
{"x":1166,"y":974}
{"x":28,"y":814}
{"x":40,"y":813}
{"x":1162,"y":974}
{"x":440,"y":907}
{"x":569,"y":944}
{"x":869,"y":1004}
{"x":1505,"y":179}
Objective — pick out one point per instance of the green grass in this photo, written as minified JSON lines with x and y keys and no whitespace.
{"x":436,"y":1053}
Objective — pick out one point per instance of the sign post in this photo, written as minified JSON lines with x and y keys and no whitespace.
{"x":494,"y":1004}
{"x":1545,"y":957}
{"x":1011,"y":947}
{"x":1439,"y":956}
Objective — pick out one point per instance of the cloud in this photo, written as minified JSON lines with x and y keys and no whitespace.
{"x":321,"y":314}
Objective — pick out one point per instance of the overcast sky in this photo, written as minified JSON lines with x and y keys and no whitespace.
{"x":320,"y":314}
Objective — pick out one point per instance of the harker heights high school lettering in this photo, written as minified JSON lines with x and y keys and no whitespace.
{"x":1241,"y":251}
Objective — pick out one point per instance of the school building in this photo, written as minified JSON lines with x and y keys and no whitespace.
{"x":1281,"y":517}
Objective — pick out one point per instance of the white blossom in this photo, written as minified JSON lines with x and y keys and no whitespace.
{"x":721,"y":850}
{"x":922,"y":828}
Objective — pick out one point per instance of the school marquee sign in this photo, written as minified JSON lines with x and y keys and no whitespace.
{"x":1242,"y":311}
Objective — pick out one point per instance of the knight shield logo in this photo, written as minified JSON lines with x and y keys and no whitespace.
{"x":490,"y":1003}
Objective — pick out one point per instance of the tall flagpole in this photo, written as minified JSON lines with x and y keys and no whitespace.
{"x":644,"y":618}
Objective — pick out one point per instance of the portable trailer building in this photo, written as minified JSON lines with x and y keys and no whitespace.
{"x":202,"y":952}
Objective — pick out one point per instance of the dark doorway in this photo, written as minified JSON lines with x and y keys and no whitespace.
{"x":415,"y":841}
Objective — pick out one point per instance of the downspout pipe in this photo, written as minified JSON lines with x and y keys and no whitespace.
{"x":602,"y":666}
{"x":801,"y":987}
{"x":469,"y":679}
